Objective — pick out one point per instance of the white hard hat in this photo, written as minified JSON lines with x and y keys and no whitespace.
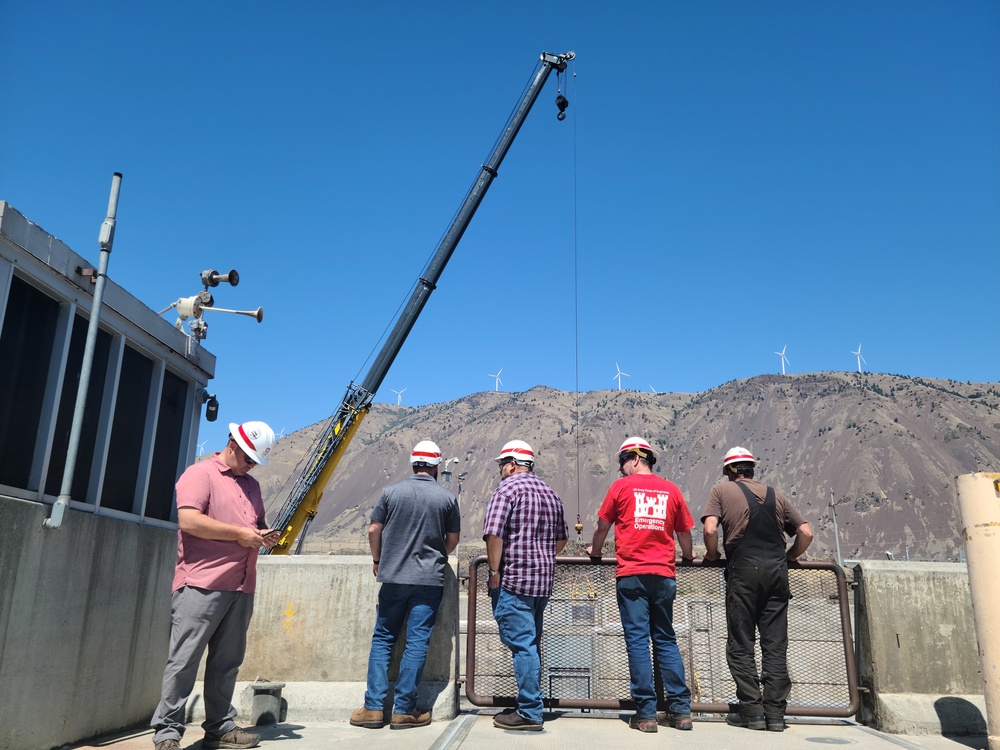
{"x":519,"y":450}
{"x":738,"y":455}
{"x":426,"y":452}
{"x":255,"y":438}
{"x":639,"y":446}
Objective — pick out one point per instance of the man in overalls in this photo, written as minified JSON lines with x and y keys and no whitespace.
{"x":755,"y":519}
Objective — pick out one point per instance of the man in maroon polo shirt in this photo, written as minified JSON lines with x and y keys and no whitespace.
{"x":221,"y":527}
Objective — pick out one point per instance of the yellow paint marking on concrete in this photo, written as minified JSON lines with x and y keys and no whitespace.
{"x":289,"y":612}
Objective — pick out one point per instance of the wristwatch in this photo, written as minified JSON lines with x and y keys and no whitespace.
{"x":494,"y":572}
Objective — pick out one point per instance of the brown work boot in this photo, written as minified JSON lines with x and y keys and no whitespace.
{"x":167,"y":745}
{"x":234,"y":739}
{"x":367,"y":718}
{"x":514,"y":720}
{"x":408,"y":721}
{"x":677,"y":721}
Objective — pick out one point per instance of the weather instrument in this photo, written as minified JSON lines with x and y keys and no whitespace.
{"x":191,"y":309}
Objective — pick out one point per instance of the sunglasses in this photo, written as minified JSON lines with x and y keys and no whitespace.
{"x":246,"y":459}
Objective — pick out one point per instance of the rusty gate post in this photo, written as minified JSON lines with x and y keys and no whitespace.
{"x":979,"y":503}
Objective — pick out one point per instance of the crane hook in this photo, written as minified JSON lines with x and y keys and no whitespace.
{"x":562,"y":102}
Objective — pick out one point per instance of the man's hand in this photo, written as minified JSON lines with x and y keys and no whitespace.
{"x":686,"y":562}
{"x":590,"y":553}
{"x":271,"y":537}
{"x":250,"y":537}
{"x":711,"y":556}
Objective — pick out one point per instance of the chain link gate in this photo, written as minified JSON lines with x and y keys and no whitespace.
{"x":584,"y":662}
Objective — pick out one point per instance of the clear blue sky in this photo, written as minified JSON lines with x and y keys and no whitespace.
{"x":732,"y":178}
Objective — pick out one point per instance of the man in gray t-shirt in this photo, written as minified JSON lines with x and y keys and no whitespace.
{"x":414,"y":527}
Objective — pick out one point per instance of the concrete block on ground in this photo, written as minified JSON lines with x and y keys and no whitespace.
{"x":920,"y":713}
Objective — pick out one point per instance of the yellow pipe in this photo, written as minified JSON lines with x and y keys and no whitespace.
{"x":310,"y":503}
{"x":979,"y":503}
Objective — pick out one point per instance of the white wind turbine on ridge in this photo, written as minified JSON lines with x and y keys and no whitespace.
{"x":618,"y":376}
{"x":496,"y":375}
{"x":399,"y":396}
{"x":201,"y":447}
{"x":784,"y":359}
{"x":860,"y":358}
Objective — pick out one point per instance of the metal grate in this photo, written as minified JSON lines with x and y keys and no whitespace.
{"x":584,"y":663}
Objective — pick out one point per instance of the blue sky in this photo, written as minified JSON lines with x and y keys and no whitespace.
{"x":731,"y":178}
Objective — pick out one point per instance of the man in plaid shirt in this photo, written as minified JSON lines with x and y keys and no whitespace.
{"x":524,"y":531}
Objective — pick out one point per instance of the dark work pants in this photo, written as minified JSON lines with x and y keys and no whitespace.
{"x":757,"y":599}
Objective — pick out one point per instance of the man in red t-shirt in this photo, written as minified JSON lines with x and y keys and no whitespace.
{"x":648,"y":511}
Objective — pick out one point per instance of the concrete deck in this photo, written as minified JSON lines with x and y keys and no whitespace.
{"x":563,"y":731}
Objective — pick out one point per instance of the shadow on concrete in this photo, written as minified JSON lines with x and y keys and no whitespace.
{"x":959,"y":717}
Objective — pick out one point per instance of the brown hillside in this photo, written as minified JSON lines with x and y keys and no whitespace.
{"x":887,"y":446}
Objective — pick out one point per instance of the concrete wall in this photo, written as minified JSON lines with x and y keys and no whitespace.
{"x":312,"y":629}
{"x":84,"y":624}
{"x":85,"y":617}
{"x":918,"y":654}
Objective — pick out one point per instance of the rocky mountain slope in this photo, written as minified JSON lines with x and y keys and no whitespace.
{"x":887,"y":447}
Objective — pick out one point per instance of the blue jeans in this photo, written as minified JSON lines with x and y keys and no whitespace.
{"x":519,"y":620}
{"x":646,"y":605}
{"x":418,"y":605}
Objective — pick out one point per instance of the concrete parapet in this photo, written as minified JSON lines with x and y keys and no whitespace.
{"x":312,"y":629}
{"x":84,"y":624}
{"x":917,"y":649}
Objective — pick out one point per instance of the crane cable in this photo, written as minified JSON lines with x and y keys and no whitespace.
{"x":576,"y":311}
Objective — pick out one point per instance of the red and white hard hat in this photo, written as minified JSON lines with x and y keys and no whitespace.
{"x":426,"y":452}
{"x":639,"y":446}
{"x":255,"y":438}
{"x":738,"y":455}
{"x":519,"y":450}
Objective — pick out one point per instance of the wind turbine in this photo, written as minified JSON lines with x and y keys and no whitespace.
{"x":653,"y":389}
{"x":280,"y":434}
{"x":860,"y":358}
{"x":399,"y":396}
{"x":497,"y":376}
{"x":618,"y":376}
{"x":201,"y":448}
{"x":784,"y":359}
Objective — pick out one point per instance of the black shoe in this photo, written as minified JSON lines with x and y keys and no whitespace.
{"x":643,"y":723}
{"x":757,"y":723}
{"x":775,"y":725}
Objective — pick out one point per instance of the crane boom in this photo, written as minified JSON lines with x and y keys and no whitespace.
{"x":303,"y":500}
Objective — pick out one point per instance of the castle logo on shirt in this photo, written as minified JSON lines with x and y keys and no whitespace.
{"x":650,"y":509}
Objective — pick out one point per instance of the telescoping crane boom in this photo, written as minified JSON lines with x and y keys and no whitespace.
{"x":300,"y":508}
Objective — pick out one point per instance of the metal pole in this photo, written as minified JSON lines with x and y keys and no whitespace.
{"x":979,"y":503}
{"x":836,"y":531}
{"x":106,"y":240}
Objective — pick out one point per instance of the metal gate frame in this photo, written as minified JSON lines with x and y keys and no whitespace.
{"x":850,"y":669}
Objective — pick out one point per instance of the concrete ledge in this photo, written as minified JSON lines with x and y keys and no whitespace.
{"x":919,"y":713}
{"x":330,"y":701}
